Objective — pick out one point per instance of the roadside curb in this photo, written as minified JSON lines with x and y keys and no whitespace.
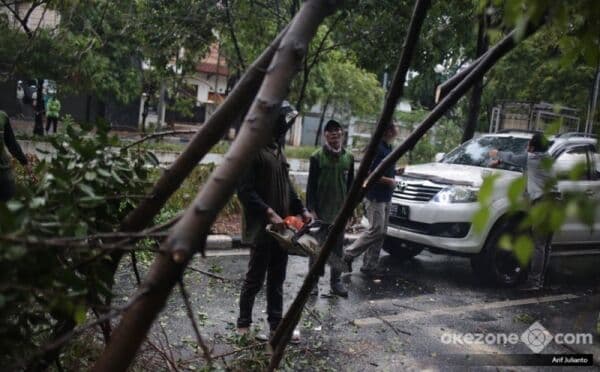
{"x":223,"y":242}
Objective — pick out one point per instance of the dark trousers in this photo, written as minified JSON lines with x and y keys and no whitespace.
{"x":542,"y":242}
{"x":53,"y":122}
{"x":338,"y":249}
{"x":266,"y":259}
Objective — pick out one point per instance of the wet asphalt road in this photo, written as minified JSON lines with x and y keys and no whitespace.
{"x":399,"y":323}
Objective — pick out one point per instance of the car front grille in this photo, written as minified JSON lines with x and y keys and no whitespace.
{"x":416,"y":191}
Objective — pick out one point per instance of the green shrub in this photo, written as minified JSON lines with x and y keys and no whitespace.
{"x":86,"y":188}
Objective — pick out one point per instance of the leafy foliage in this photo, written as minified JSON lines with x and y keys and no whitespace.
{"x":87,"y":188}
{"x":444,"y":137}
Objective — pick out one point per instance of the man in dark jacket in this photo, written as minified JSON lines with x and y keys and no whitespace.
{"x":377,"y":204}
{"x":267,"y":196}
{"x":330,"y":175}
{"x":9,"y":142}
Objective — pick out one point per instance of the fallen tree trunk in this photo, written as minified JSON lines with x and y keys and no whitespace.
{"x":205,"y":138}
{"x":284,"y":332}
{"x":190,"y":233}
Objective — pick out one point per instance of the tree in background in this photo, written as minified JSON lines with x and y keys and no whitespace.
{"x":99,"y":47}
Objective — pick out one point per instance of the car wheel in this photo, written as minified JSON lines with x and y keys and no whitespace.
{"x":495,"y":264}
{"x":400,"y":249}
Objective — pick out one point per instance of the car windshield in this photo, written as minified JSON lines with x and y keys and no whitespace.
{"x":475,"y":152}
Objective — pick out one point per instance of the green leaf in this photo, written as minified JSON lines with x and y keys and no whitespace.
{"x":37,"y":202}
{"x":14,"y":205}
{"x":80,"y":314}
{"x":487,"y":189}
{"x":103,"y":172}
{"x":505,"y":242}
{"x":86,"y":189}
{"x":523,"y":249}
{"x":516,"y":190}
{"x":480,"y":219}
{"x":90,"y":176}
{"x":116,"y":177}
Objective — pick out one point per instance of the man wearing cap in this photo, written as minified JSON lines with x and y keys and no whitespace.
{"x":377,"y":204}
{"x":330,"y":175}
{"x":267,"y":196}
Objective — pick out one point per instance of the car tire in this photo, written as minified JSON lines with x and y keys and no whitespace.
{"x":495,"y":265}
{"x":400,"y":249}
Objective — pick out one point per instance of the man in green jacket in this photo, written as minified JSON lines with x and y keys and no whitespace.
{"x":330,"y":175}
{"x":8,"y":142}
{"x":52,"y":113}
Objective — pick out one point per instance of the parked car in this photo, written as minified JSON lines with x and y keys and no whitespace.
{"x":433,"y":204}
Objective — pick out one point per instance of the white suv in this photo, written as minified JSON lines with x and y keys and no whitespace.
{"x":433,"y":204}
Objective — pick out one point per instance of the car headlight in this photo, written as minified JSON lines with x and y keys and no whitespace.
{"x":456,"y":194}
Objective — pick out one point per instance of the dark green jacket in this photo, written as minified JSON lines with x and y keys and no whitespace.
{"x":329,"y":179}
{"x":266,"y":184}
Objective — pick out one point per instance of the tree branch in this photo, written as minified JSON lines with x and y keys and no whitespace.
{"x":233,"y":36}
{"x":189,"y":234}
{"x":284,"y":331}
{"x":488,"y":60}
{"x":190,"y":313}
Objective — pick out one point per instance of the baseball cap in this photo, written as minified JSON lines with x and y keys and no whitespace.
{"x":332,"y":125}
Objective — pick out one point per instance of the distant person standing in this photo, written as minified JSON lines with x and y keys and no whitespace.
{"x":52,"y":113}
{"x":20,"y":99}
{"x":330,"y":175}
{"x":377,"y":203}
{"x":9,"y":142}
{"x":540,"y":186}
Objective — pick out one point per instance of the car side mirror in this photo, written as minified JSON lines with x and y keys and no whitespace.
{"x":439,"y":156}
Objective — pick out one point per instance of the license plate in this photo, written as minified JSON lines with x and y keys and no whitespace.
{"x":400,"y":211}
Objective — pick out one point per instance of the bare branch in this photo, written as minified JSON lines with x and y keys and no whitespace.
{"x":207,"y":273}
{"x":160,"y":134}
{"x":190,"y":313}
{"x":59,"y":342}
{"x":233,"y":35}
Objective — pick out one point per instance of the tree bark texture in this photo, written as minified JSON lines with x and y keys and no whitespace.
{"x":488,"y":60}
{"x":477,"y":91}
{"x":284,"y":331}
{"x":189,"y":234}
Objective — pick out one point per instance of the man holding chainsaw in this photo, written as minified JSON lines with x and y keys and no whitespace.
{"x":267,"y":196}
{"x":330,"y":176}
